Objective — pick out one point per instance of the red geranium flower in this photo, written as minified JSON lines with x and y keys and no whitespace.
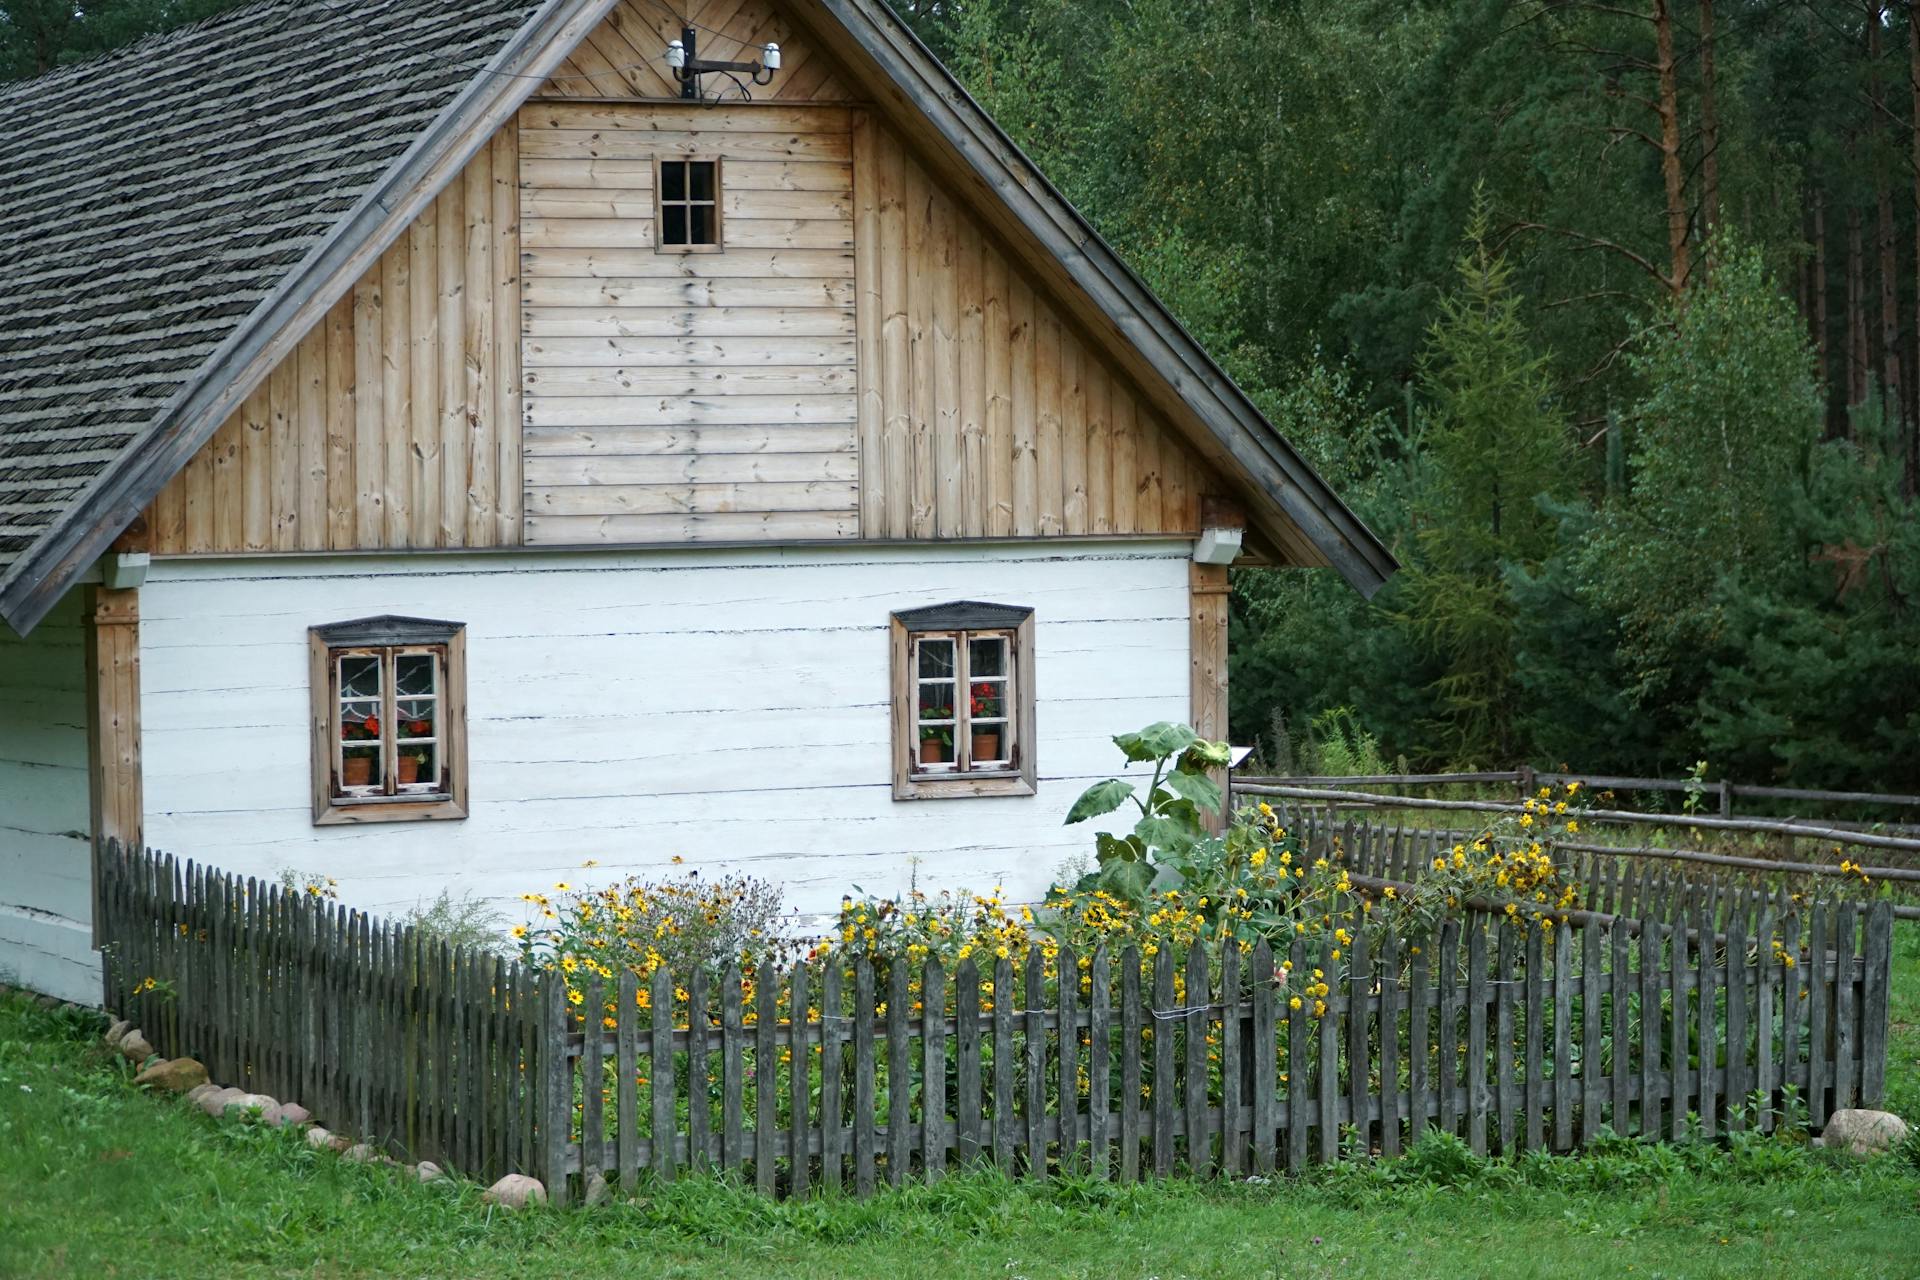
{"x":373,"y":724}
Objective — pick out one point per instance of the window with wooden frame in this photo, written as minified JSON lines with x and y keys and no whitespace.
{"x":686,"y":204}
{"x":963,"y":721}
{"x":389,"y":720}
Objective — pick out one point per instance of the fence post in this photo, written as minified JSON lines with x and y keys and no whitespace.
{"x":556,"y":1113}
{"x":1726,"y":798}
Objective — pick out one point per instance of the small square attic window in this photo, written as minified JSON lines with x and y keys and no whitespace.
{"x":687,"y":206}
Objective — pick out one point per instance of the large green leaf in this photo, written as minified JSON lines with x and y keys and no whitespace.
{"x":1101,"y":797}
{"x":1156,"y":741}
{"x":1203,"y":791}
{"x":1114,"y":848}
{"x":1167,"y":833}
{"x":1128,"y":880}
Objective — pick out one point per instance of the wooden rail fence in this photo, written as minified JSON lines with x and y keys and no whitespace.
{"x":830,"y":1076}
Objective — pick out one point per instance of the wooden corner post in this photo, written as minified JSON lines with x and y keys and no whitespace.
{"x":1207,"y":652}
{"x":113,"y":721}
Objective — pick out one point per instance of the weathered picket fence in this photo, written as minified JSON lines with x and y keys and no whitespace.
{"x":827,"y":1076}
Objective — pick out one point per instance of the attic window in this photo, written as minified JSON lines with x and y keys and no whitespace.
{"x":963,"y":701}
{"x":389,"y":702}
{"x":687,"y":202}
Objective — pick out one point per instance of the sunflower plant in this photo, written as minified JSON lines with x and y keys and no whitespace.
{"x":1170,"y":836}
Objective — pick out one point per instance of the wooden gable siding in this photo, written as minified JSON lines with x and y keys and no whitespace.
{"x":686,"y":397}
{"x":984,"y":412}
{"x":395,"y":423}
{"x":625,"y":57}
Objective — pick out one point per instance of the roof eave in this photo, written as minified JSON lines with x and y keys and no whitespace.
{"x":43,"y":573}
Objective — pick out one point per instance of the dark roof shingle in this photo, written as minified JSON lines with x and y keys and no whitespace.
{"x":154,"y":196}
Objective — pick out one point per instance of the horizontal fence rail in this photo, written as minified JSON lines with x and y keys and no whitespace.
{"x":838,"y":1075}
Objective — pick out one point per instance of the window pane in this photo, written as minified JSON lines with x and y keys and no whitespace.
{"x":673,"y":180}
{"x":936,"y":744}
{"x":418,"y":717}
{"x":360,"y":766}
{"x":987,"y":700}
{"x":673,"y":224}
{"x":418,"y":764}
{"x":936,"y":700}
{"x":701,"y":172}
{"x":360,"y":677}
{"x":413,"y":674}
{"x":703,"y":232}
{"x":936,"y":658}
{"x":992,"y":744}
{"x":987,"y":656}
{"x":360,"y":722}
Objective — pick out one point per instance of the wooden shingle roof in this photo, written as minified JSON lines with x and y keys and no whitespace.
{"x":155,"y":196}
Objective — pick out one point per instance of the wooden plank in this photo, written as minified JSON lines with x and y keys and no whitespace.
{"x":1073,"y":434}
{"x":1005,"y":1134}
{"x":968,"y":1136}
{"x":1024,"y":339}
{"x":1389,"y":968}
{"x":504,"y":280}
{"x":1536,"y":1017}
{"x":1126,"y":483}
{"x":452,"y":258}
{"x":369,"y":405}
{"x":1592,"y":1035}
{"x":1846,"y":1009}
{"x":971,"y":374}
{"x":598,"y":320}
{"x":733,"y":1039}
{"x":1198,"y":1016}
{"x":899,"y":1077}
{"x":1679,"y":1031}
{"x":477,"y":346}
{"x":1234,"y":1066}
{"x":1099,"y":1063}
{"x":996,"y":361}
{"x":1507,"y":1083}
{"x":799,"y":1085}
{"x":1326,"y":1079}
{"x":1650,"y":1026}
{"x":623,"y":119}
{"x":1707,"y":1078}
{"x":1050,"y":449}
{"x":1419,"y":1038}
{"x":593,"y":1076}
{"x":1876,"y":997}
{"x":833,"y":1026}
{"x":283,"y":444}
{"x":1164,"y":1010}
{"x":606,"y":262}
{"x":557,"y":1091}
{"x":766,"y":1075}
{"x":589,"y":144}
{"x":1036,"y":1072}
{"x":1449,"y":1042}
{"x":685,"y":411}
{"x":1739,"y":999}
{"x":863,"y":1083}
{"x":917,"y":253}
{"x":896,"y":369}
{"x":776,"y":526}
{"x":1766,"y":1057}
{"x":943,"y":356}
{"x":1360,"y":978}
{"x":396,"y":391}
{"x":1067,"y":1060}
{"x":869,"y":318}
{"x":1819,"y":1018}
{"x":1477,"y":993}
{"x":256,"y":468}
{"x":1131,"y":1052}
{"x":933,"y":1069}
{"x":694,"y":499}
{"x":683,"y":293}
{"x":699,"y":1072}
{"x":660,"y":1074}
{"x":422,"y":451}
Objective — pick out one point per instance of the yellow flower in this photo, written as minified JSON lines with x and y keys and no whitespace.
{"x":1573,"y":828}
{"x":519,"y":931}
{"x":1294,"y":1003}
{"x":574,"y":996}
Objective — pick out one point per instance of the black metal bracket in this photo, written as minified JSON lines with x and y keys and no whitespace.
{"x":689,"y":74}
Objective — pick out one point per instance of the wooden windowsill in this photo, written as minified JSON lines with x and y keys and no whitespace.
{"x":940,"y":786}
{"x":343,"y":813}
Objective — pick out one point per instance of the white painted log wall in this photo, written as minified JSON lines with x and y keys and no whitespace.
{"x":45,"y":861}
{"x":727,"y":706}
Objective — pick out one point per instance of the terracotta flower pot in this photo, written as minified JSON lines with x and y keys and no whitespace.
{"x":986,"y":746}
{"x":356,"y":771}
{"x":409,"y":769}
{"x":930,"y":752}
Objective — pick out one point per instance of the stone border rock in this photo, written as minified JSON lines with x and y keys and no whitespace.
{"x":187,"y":1077}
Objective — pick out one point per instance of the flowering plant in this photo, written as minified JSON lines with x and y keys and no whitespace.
{"x":1171,"y":831}
{"x":360,"y":730}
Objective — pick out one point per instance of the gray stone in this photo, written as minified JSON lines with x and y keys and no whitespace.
{"x":339,"y":1144}
{"x":49,"y":1002}
{"x":175,"y":1075}
{"x":244,"y":1103}
{"x":134,"y":1048}
{"x":1864,"y":1133}
{"x":285,"y":1116}
{"x":116,"y":1030}
{"x":215,"y":1103}
{"x":516,"y":1191}
{"x":318,"y":1138}
{"x":200,"y":1091}
{"x":598,"y":1192}
{"x":360,"y":1153}
{"x":428,"y":1171}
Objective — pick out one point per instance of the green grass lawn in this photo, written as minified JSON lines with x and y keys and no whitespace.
{"x":96,"y":1179}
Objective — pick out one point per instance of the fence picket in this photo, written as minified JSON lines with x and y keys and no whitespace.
{"x":1477,"y":993}
{"x":1195,"y":1000}
{"x":1562,"y":1039}
{"x":1846,"y":1018}
{"x":1706,"y":1076}
{"x":967,"y":1116}
{"x":832,"y":1055}
{"x":1327,"y":1077}
{"x":1005,"y":1133}
{"x":1066,"y":992}
{"x":1359,"y":987}
{"x":733,"y":1072}
{"x":1388,"y":968}
{"x":1767,"y":1077}
{"x":700,"y":1153}
{"x":766,"y":1068}
{"x":1592,"y":1035}
{"x":1534,"y":990}
{"x":1163,"y":1011}
{"x":1449,"y":1044}
{"x":593,"y":1075}
{"x":1419,"y":1039}
{"x":1507,"y":1082}
{"x":1649,"y":1028}
{"x":1234,"y":1069}
{"x":1131,"y":1052}
{"x":1738,"y":989}
{"x":1099,"y":1061}
{"x":1035,"y":1022}
{"x":863,"y":1085}
{"x":1876,"y":996}
{"x":799,"y":1076}
{"x":1296,"y":1075}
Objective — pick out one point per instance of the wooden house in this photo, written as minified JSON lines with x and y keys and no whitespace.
{"x":436,"y":451}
